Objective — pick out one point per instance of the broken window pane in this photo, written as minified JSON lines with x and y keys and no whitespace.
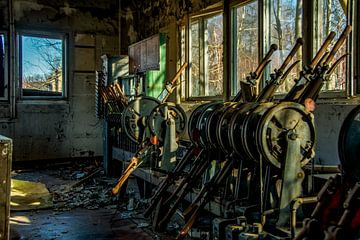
{"x":206,"y":46}
{"x":245,"y":42}
{"x":42,"y":66}
{"x":285,"y":27}
{"x":2,"y":66}
{"x":331,"y":16}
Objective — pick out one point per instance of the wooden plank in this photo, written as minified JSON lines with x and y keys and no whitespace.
{"x":5,"y":186}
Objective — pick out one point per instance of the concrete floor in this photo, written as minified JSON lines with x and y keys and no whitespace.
{"x":112,"y":221}
{"x":78,"y":224}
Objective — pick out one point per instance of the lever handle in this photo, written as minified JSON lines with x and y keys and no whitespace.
{"x":298,"y":44}
{"x":265,"y":60}
{"x":322,"y":50}
{"x":338,"y":44}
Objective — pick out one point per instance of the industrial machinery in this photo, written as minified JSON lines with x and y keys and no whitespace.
{"x":200,"y":152}
{"x":152,"y":122}
{"x":268,"y":142}
{"x":337,"y":213}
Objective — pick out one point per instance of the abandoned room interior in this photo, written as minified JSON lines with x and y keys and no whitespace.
{"x":179,"y":119}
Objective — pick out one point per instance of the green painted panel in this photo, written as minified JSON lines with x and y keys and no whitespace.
{"x":155,"y":79}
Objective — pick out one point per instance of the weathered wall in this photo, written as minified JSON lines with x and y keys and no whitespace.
{"x":328,"y":119}
{"x":67,"y":128}
{"x":143,"y":18}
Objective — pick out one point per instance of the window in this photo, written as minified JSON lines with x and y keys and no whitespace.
{"x":284,"y":26}
{"x":3,"y":68}
{"x":183,"y":60}
{"x":245,"y":42}
{"x":206,"y":52}
{"x":42,"y":67}
{"x":331,"y":16}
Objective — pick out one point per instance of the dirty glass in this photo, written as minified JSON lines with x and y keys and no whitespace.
{"x":206,"y":57}
{"x":42,"y":66}
{"x":285,"y":17}
{"x":213,"y":37}
{"x":182,"y":60}
{"x":2,"y":66}
{"x":195,"y":84}
{"x":245,"y":29}
{"x":331,"y":16}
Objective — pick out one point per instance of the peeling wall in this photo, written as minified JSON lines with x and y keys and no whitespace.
{"x":67,"y":128}
{"x":142,"y":18}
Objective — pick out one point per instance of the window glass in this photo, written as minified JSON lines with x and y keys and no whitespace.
{"x":195,"y":85}
{"x":213,"y":56}
{"x":332,"y":17}
{"x":245,"y":29}
{"x":42,"y":66}
{"x":2,"y":66}
{"x":206,"y":46}
{"x":182,"y":60}
{"x":285,"y":27}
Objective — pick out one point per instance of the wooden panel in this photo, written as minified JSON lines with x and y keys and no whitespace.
{"x":145,"y":55}
{"x":5,"y":186}
{"x":153,"y":54}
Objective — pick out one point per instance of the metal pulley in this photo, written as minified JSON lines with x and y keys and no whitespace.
{"x":283,"y":121}
{"x":197,"y":123}
{"x":212,"y":123}
{"x":349,"y":145}
{"x":192,"y":124}
{"x":222,"y":127}
{"x":250,"y":125}
{"x":134,"y":116}
{"x":203,"y":121}
{"x":237,"y":125}
{"x":161,"y":113}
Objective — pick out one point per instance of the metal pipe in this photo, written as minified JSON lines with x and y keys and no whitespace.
{"x":294,"y":205}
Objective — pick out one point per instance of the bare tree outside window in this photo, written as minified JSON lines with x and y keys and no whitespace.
{"x":285,"y":28}
{"x":332,"y":17}
{"x":245,"y":42}
{"x":42,"y":66}
{"x":214,"y":55}
{"x":206,"y":56}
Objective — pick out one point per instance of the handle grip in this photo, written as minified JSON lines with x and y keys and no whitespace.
{"x":265,"y":60}
{"x":132,"y":166}
{"x":298,"y":44}
{"x":338,"y":44}
{"x":322,"y":50}
{"x":178,"y":74}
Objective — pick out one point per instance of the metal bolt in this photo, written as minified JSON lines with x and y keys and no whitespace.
{"x":300,"y":175}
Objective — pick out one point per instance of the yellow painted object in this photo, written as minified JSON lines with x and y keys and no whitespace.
{"x":27,"y":195}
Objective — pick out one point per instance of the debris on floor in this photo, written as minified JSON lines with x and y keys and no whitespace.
{"x":82,"y":200}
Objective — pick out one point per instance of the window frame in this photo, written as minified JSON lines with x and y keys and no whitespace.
{"x":349,"y":78}
{"x":65,"y":72}
{"x":233,"y":57}
{"x":200,"y":17}
{"x":352,"y":85}
{"x":6,"y":67}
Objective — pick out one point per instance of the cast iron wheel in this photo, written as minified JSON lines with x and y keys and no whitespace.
{"x":236,"y":127}
{"x":212,"y":123}
{"x":248,"y":133}
{"x":157,"y":118}
{"x":223,"y":127}
{"x":273,"y":129}
{"x":203,"y":120}
{"x":133,"y":119}
{"x":349,"y":145}
{"x":193,"y":131}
